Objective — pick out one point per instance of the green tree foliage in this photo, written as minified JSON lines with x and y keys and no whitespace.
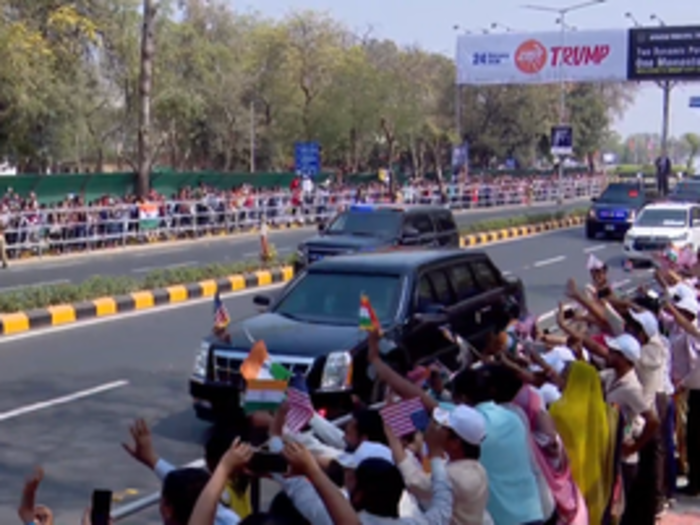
{"x":234,"y":90}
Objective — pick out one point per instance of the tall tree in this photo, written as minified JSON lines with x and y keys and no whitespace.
{"x":148,"y":50}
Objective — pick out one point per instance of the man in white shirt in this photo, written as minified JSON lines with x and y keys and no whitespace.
{"x":465,"y":429}
{"x":651,"y":369}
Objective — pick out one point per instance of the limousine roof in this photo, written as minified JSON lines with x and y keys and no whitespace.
{"x":397,"y":260}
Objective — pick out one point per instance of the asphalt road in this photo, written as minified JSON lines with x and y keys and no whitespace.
{"x":143,"y":361}
{"x":137,"y":262}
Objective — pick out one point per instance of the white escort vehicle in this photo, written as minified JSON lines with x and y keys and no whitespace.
{"x":661,"y":225}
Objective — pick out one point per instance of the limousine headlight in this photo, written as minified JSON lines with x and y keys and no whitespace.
{"x":337,"y":372}
{"x":200,"y":360}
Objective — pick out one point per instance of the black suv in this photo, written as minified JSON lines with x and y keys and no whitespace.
{"x":615,"y":210}
{"x":312,"y":325}
{"x":371,"y":227}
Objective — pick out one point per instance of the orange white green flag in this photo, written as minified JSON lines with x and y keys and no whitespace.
{"x":368,"y":318}
{"x":266,"y":381}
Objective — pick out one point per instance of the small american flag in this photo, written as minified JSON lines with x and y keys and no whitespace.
{"x":399,"y":416}
{"x":300,"y":408}
{"x":221,"y":317}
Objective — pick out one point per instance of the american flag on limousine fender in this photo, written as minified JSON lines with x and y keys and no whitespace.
{"x":301,"y":410}
{"x":402,"y":417}
{"x":221,"y":316}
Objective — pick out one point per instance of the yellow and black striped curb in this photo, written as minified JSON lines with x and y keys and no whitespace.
{"x":109,"y":306}
{"x":520,"y":231}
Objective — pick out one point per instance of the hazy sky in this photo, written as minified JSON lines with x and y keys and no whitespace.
{"x":429,"y":23}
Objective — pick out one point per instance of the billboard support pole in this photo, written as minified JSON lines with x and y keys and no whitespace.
{"x":666,"y":88}
{"x":562,"y":106}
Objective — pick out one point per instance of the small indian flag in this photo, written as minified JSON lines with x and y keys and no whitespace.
{"x":259,"y":365}
{"x":264,"y":395}
{"x":368,"y":319}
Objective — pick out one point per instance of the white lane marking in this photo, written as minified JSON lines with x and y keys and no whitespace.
{"x":137,"y":313}
{"x":595,"y":248}
{"x":507,"y":272}
{"x":33,"y":285}
{"x":36,"y":407}
{"x":547,"y":262}
{"x":146,"y":269}
{"x":151,"y":253}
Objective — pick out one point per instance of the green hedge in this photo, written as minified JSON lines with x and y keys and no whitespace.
{"x":105,"y":286}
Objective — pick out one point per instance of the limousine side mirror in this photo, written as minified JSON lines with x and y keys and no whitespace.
{"x":321,"y":227}
{"x":262,"y":300}
{"x":594,"y":199}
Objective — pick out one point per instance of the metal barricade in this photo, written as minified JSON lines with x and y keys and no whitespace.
{"x":43,"y":230}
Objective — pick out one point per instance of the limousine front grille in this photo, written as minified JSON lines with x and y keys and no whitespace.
{"x":227,"y":364}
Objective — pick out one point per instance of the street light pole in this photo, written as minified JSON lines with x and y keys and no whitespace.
{"x":562,"y":12}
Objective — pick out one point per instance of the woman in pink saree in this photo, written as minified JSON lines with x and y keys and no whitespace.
{"x":550,"y":455}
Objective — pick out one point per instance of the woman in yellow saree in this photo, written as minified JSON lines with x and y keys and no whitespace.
{"x":589,"y":429}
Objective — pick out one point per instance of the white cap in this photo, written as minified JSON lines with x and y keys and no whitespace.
{"x":626,"y":345}
{"x":464,"y":421}
{"x":648,"y":320}
{"x":594,"y":263}
{"x":549,"y":393}
{"x":367,"y":450}
{"x":682,"y":291}
{"x":685,"y":298}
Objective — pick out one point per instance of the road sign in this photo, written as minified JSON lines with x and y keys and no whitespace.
{"x":562,"y":140}
{"x":307,"y":158}
{"x":694,"y":102}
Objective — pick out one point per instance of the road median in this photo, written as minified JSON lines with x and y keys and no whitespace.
{"x":103,"y":296}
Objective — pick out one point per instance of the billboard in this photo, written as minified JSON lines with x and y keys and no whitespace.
{"x":664,"y":53}
{"x":542,"y":58}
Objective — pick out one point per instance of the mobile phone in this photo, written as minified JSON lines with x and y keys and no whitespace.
{"x":603,"y":293}
{"x":569,"y":313}
{"x":101,"y":507}
{"x":267,"y":462}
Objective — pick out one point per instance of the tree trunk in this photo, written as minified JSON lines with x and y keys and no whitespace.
{"x":148,"y":49}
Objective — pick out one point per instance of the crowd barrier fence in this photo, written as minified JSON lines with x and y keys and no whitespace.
{"x":55,"y":188}
{"x":57,"y":230}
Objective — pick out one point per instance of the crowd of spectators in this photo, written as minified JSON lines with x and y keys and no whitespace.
{"x":72,"y":224}
{"x":587,"y":426}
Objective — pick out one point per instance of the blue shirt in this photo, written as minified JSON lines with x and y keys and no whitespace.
{"x":514,"y":497}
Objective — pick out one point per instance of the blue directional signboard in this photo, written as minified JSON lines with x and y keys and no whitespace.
{"x":307,"y":158}
{"x":694,"y":102}
{"x":562,"y":140}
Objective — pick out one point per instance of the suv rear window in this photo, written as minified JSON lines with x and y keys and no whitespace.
{"x":444,"y":221}
{"x":420,"y":222}
{"x":371,"y":223}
